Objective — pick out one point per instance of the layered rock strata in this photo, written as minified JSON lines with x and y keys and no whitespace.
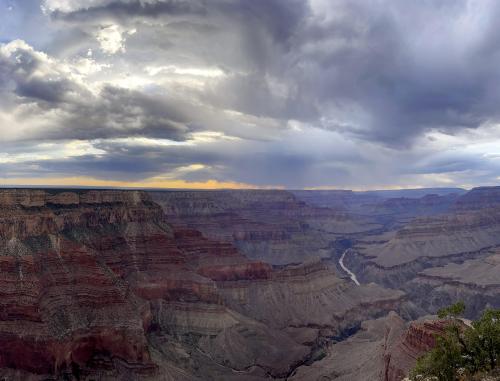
{"x":101,"y":285}
{"x":469,"y":230}
{"x":272,"y":226}
{"x":474,"y":281}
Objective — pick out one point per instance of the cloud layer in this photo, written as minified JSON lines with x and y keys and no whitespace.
{"x":298,"y":93}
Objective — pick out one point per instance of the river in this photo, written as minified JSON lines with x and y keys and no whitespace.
{"x":351,"y":274}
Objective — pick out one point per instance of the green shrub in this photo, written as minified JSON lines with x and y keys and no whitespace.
{"x":461,"y":351}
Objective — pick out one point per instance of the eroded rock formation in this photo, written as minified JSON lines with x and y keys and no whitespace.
{"x":384,"y":349}
{"x":272,"y":226}
{"x":467,"y":231}
{"x":103,"y":285}
{"x":230,"y":285}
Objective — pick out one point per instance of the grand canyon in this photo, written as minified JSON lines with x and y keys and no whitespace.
{"x":225,"y":190}
{"x":237,"y":284}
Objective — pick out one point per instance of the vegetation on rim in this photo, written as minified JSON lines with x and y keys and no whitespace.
{"x":463,"y":352}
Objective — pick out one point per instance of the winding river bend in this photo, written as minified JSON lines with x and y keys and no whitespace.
{"x":344,"y":267}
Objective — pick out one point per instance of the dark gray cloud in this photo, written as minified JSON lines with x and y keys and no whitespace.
{"x":118,"y":113}
{"x":405,"y":74}
{"x":402,"y":91}
{"x":135,"y":162}
{"x":370,"y":66}
{"x":112,"y":112}
{"x":125,"y":10}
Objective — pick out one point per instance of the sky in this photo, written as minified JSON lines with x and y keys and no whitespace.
{"x":316,"y":94}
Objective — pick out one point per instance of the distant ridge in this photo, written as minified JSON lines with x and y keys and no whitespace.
{"x":384,"y":193}
{"x":415,"y":193}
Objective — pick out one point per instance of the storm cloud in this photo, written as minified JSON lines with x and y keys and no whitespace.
{"x":302,"y":93}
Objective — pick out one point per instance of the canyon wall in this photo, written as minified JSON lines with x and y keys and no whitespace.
{"x":438,"y":259}
{"x":108,"y":285}
{"x":268,"y":225}
{"x":226,"y":285}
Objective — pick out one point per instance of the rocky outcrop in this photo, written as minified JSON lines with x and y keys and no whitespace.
{"x":360,"y":357}
{"x":29,"y":198}
{"x":385,"y":349}
{"x":402,"y":354}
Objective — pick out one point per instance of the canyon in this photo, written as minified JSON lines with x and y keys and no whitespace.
{"x":237,"y":284}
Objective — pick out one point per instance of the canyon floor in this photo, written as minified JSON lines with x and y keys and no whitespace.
{"x":237,"y":284}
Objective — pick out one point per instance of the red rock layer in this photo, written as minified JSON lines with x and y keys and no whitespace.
{"x":269,"y":225}
{"x":218,"y":261}
{"x":92,"y":278}
{"x":78,"y":270}
{"x":418,"y":339}
{"x":61,"y":299}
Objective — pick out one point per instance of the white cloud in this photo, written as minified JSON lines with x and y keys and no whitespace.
{"x":210,"y":72}
{"x":111,"y":39}
{"x":71,"y":5}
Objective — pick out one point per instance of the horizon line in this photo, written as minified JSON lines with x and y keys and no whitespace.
{"x":133,"y":188}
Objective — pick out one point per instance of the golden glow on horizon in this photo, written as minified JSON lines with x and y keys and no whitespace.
{"x":149,"y":183}
{"x":161,"y":183}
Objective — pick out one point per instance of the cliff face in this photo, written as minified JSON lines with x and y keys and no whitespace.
{"x":468,"y":230}
{"x":474,"y":281}
{"x":479,"y":198}
{"x":412,"y":207}
{"x":346,"y":200}
{"x":390,"y":204}
{"x":402,"y":354}
{"x":446,"y":235}
{"x":61,"y":294}
{"x":104,"y":284}
{"x":83,"y":271}
{"x":272,"y":226}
